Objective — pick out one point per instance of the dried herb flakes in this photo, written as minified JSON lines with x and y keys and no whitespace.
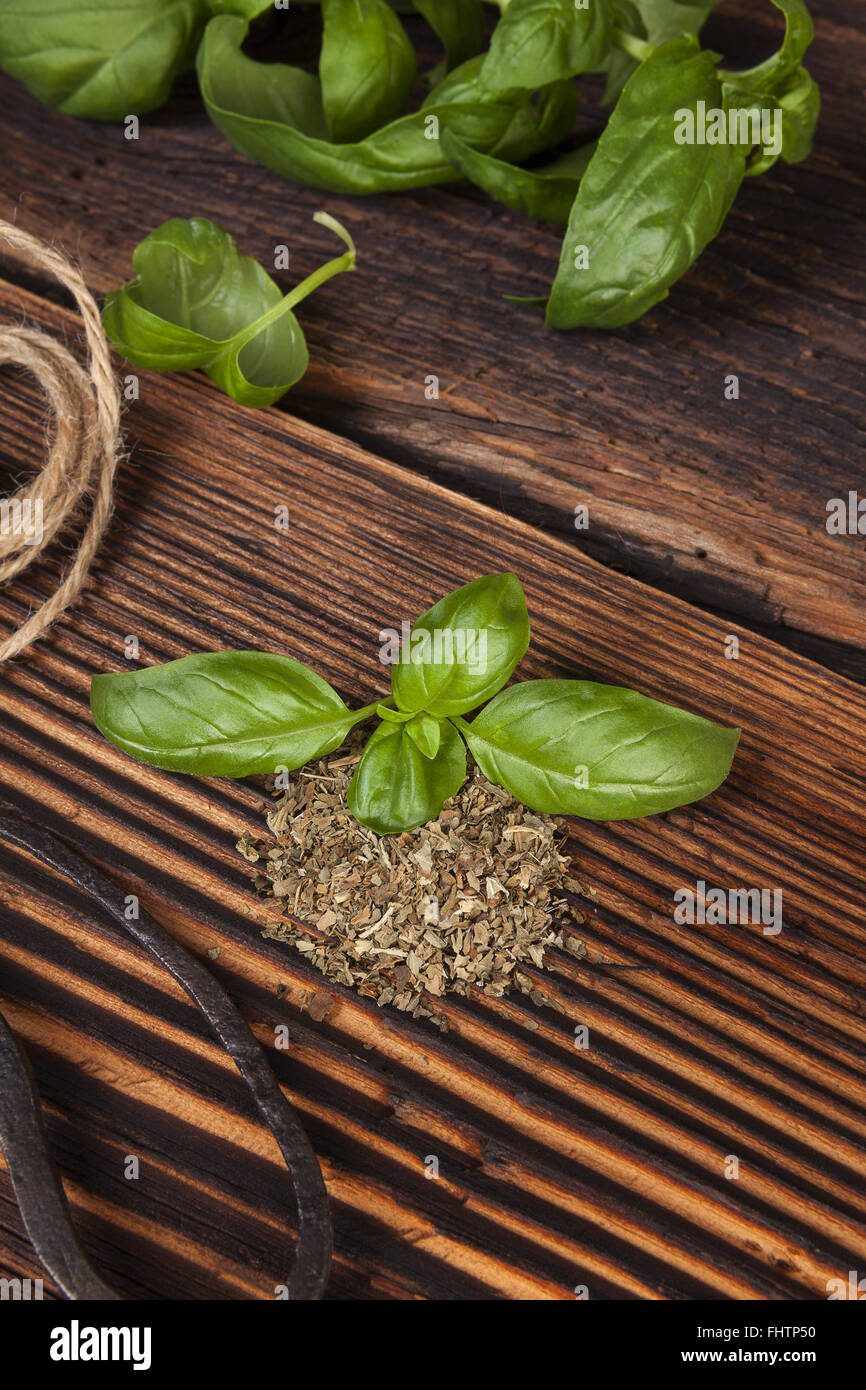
{"x":457,"y":905}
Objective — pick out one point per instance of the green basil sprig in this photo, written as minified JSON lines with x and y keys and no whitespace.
{"x":644,"y":207}
{"x":560,"y":746}
{"x":197,"y":302}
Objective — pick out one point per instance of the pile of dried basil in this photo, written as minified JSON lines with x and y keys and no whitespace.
{"x":458,"y":905}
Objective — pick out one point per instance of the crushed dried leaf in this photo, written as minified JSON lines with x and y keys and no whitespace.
{"x":457,"y":905}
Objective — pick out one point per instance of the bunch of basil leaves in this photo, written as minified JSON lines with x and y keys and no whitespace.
{"x":641,"y":205}
{"x":569,"y":747}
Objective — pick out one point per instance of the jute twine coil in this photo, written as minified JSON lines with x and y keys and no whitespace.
{"x":84,"y":446}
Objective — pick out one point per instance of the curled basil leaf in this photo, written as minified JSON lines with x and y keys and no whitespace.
{"x":367,"y":66}
{"x":647,"y":206}
{"x":222,"y":714}
{"x":397,"y":787}
{"x":464,"y":648}
{"x":599,"y":751}
{"x":541,"y":41}
{"x":773,"y":74}
{"x":264,"y":109}
{"x":101,"y":63}
{"x":782,"y":87}
{"x":426,"y":733}
{"x":547,"y":193}
{"x":197,"y":302}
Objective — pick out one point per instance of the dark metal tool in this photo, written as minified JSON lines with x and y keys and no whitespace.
{"x":36,"y":1184}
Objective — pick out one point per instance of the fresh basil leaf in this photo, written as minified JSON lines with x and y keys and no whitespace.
{"x":396,"y":787}
{"x":541,"y":41}
{"x":222,"y":714}
{"x":646,"y":206}
{"x":546,"y":193}
{"x":464,"y":648}
{"x":407,"y":153}
{"x":576,"y":748}
{"x":367,"y":67}
{"x":459,"y":24}
{"x":426,"y":733}
{"x":96,"y":61}
{"x":197,"y":302}
{"x":773,"y":74}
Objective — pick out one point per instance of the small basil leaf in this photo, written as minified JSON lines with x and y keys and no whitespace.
{"x":367,"y":66}
{"x":197,"y":302}
{"x":393,"y":716}
{"x":464,"y":648}
{"x":541,"y":41}
{"x":459,"y":24}
{"x":395,"y":787}
{"x":647,"y":205}
{"x":426,"y":733}
{"x":547,"y":193}
{"x":101,"y":63}
{"x":598,"y":751}
{"x":222,"y":714}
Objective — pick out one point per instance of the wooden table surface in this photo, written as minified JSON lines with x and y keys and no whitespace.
{"x":559,"y":1167}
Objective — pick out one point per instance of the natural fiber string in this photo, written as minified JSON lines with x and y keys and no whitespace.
{"x":85,"y":447}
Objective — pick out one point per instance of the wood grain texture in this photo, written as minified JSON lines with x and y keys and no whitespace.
{"x":559,"y":1166}
{"x":720,"y":502}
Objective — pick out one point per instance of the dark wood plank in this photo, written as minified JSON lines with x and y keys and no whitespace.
{"x":720,"y":502}
{"x":559,"y":1167}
